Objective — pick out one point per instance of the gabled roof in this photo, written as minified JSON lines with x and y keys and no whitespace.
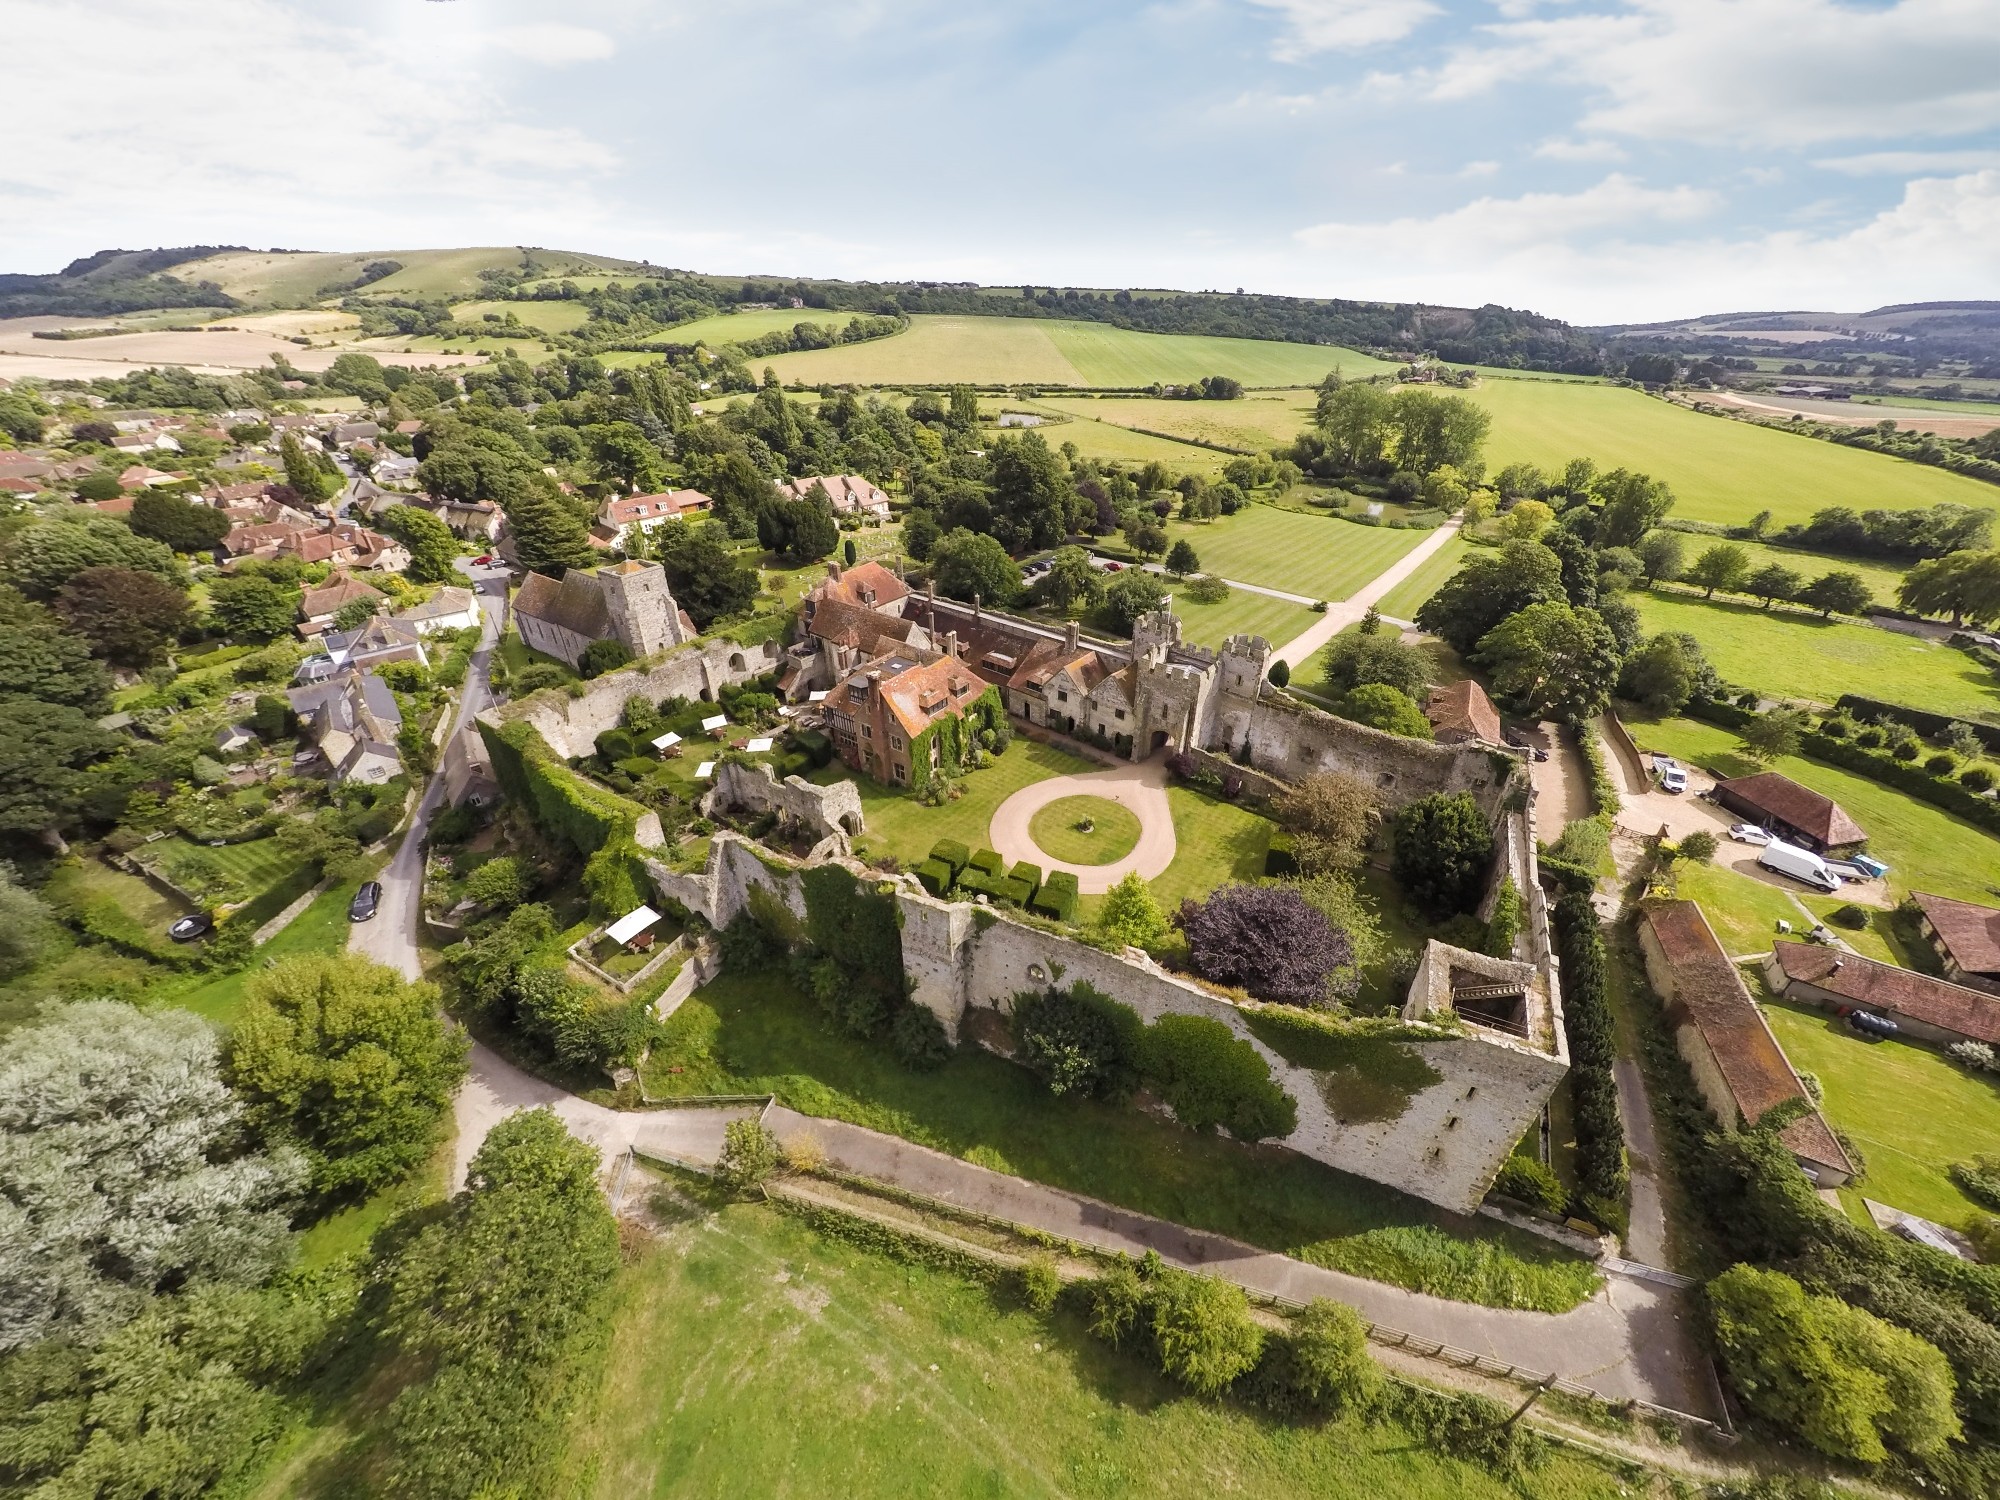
{"x":1900,"y":992}
{"x":337,"y":592}
{"x":447,"y":601}
{"x":921,"y":694}
{"x":1970,"y":934}
{"x":575,"y":602}
{"x":864,"y":629}
{"x":1782,"y":798}
{"x":868,"y":584}
{"x":847,"y":492}
{"x":1709,"y":995}
{"x":1465,"y":708}
{"x":669,"y":504}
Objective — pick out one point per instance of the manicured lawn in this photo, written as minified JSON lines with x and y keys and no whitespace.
{"x":1796,"y":656}
{"x":1743,"y":910}
{"x":751,"y":1033}
{"x":1926,"y":849}
{"x":1316,"y":557}
{"x":1720,"y":469}
{"x":1059,"y":832}
{"x":1404,"y":600}
{"x":753,"y":1356}
{"x":248,"y":867}
{"x":1242,"y":613}
{"x":1912,"y":1111}
{"x":1216,"y":842}
{"x":516,"y":653}
{"x":899,"y":825}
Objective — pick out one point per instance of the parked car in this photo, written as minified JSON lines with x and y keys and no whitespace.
{"x":1114,"y":567}
{"x":1867,"y":1023}
{"x":194,"y":925}
{"x":1801,"y":865}
{"x":484,"y":561}
{"x":367,"y":901}
{"x":1749,"y":833}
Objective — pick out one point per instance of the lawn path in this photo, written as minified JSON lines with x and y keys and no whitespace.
{"x":1345,"y":612}
{"x":1141,"y":787}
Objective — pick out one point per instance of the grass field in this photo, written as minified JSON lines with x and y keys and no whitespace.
{"x":1057,"y":830}
{"x":1912,"y":1111}
{"x":750,"y":1032}
{"x":1881,"y":577}
{"x":1316,"y":557}
{"x":754,"y":1357}
{"x":1025,"y":351}
{"x":1114,"y":444}
{"x":1798,"y":656}
{"x":730,"y":328}
{"x":550,"y":317}
{"x":1406,"y":598}
{"x":1926,"y":849}
{"x":1721,"y":470}
{"x":1743,"y":910}
{"x":1260,"y":421}
{"x":1242,"y":613}
{"x":258,"y":276}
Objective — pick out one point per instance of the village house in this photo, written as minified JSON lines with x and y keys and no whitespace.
{"x":1462,"y":714}
{"x":375,"y":642}
{"x":1793,"y":812}
{"x":318,"y":605}
{"x":629,"y":602}
{"x":879,"y":713}
{"x":849,"y":494}
{"x":450,"y":608}
{"x":1736,"y":1061}
{"x":146,"y":442}
{"x":353,"y":720}
{"x":1931,"y":1010}
{"x":348,"y":433}
{"x":341,"y":543}
{"x":621,"y":515}
{"x":1964,"y":936}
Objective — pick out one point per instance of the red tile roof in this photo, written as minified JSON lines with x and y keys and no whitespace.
{"x":868,"y":584}
{"x":1709,"y":995}
{"x":669,"y":504}
{"x":1784,"y":799}
{"x":1899,"y":992}
{"x":1971,"y":934}
{"x":1464,"y":707}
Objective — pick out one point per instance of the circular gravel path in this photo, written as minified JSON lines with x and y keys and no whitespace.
{"x":1142,"y":789}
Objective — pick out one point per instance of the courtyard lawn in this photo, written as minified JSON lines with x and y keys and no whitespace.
{"x":1059,"y":832}
{"x":1404,"y":600}
{"x":1313,"y":556}
{"x":1216,"y":842}
{"x":752,"y":1033}
{"x":900,"y":826}
{"x":753,"y":1356}
{"x":1242,"y":613}
{"x":1926,"y":848}
{"x":1797,"y":656}
{"x":248,"y":867}
{"x":1912,"y":1111}
{"x":1743,"y":910}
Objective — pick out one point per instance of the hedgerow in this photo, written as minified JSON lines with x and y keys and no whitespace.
{"x":1600,"y":1135}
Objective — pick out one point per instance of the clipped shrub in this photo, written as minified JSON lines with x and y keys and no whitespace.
{"x":1870,"y":737}
{"x":1850,"y":916}
{"x":1941,"y":764}
{"x":989,"y":862}
{"x":1528,"y":1181}
{"x":1028,"y":874}
{"x":1058,"y":897}
{"x":615,"y":745}
{"x":817,"y":747}
{"x":951,"y":852}
{"x":1209,"y":1076}
{"x":1976,"y":779}
{"x":917,"y":1038}
{"x":1013,"y":892}
{"x":935,"y":876}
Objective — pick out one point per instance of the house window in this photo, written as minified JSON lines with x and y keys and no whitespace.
{"x":1061,"y":696}
{"x":895,"y":742}
{"x":902,"y":771}
{"x":867,"y":732}
{"x":1121,"y":716}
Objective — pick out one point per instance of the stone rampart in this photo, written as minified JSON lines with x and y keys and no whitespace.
{"x":572,"y":725}
{"x":823,"y":811}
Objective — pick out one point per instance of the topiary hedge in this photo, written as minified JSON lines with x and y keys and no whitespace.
{"x":951,"y":852}
{"x":1028,"y":874}
{"x":935,"y":876}
{"x":990,"y":862}
{"x":1600,"y":1135}
{"x":1058,"y":897}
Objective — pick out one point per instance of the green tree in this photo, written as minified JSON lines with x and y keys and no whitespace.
{"x":492,"y":1303}
{"x":1487,"y":589}
{"x":1354,"y":659}
{"x":98,"y":484}
{"x":1698,"y":847}
{"x":432,"y":547}
{"x":622,"y":455}
{"x":549,"y":537}
{"x":248,"y":608}
{"x":1964,"y":585}
{"x":1527,"y":520}
{"x":28,"y":927}
{"x":1844,"y":592}
{"x":1034,"y":502}
{"x":1662,"y":556}
{"x":920,"y":533}
{"x":122,"y":1159}
{"x":43,"y":749}
{"x":349,"y":1061}
{"x":1331,"y":817}
{"x":1130,"y":915}
{"x":709,"y":581}
{"x":1772,"y":583}
{"x":967,"y":564}
{"x":1330,"y":1360}
{"x":1132,"y":594}
{"x":1442,"y":850}
{"x":1723,"y":566}
{"x":1553,"y":661}
{"x":176,"y":522}
{"x":1774,"y":735}
{"x":504,"y":882}
{"x":46,"y":553}
{"x":39,"y":660}
{"x":749,"y":1154}
{"x":128,"y":617}
{"x":1146,"y":536}
{"x":600,"y":657}
{"x":1071,"y":583}
{"x":1380,"y":706}
{"x":1666,"y":672}
{"x":1203,"y":1331}
{"x":1433,"y":430}
{"x":1182,"y":560}
{"x":1633,"y":505}
{"x":305,"y":476}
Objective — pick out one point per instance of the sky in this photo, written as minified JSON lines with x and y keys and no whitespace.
{"x":1597,"y":160}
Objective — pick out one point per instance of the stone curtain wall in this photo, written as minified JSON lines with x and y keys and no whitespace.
{"x":1444,"y":1145}
{"x":824,"y":811}
{"x":572,"y":725}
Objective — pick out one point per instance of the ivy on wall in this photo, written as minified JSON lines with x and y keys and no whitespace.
{"x":855,"y":925}
{"x":596,"y":823}
{"x":953,"y":736}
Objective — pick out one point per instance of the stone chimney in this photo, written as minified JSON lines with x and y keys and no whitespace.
{"x":833,"y":569}
{"x":975,"y":609}
{"x":1072,"y":637}
{"x":951,"y":643}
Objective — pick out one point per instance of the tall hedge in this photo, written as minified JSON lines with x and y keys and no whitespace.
{"x":595,"y":822}
{"x":856,"y":926}
{"x":1600,"y":1135}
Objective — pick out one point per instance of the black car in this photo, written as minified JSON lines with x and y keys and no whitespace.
{"x":366,"y":902}
{"x":194,"y":925}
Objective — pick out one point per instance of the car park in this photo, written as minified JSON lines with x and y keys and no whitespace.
{"x":367,"y":901}
{"x":194,"y":925}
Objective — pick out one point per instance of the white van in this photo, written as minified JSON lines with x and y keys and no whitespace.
{"x":1802,"y":865}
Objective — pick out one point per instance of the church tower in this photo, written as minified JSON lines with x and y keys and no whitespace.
{"x":642,"y":608}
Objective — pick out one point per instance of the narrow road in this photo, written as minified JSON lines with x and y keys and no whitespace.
{"x":1297,"y":651}
{"x":391,"y":938}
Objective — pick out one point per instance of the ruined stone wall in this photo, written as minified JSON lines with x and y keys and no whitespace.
{"x":572,"y":725}
{"x":825,"y":811}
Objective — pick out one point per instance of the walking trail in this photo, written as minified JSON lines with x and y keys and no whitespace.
{"x":1141,"y":787}
{"x":1345,"y":612}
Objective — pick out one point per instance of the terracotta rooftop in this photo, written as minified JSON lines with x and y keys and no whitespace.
{"x":1782,"y":798}
{"x":330,"y":597}
{"x":1899,"y":992}
{"x":1709,"y":994}
{"x":1464,"y":706}
{"x":669,"y":504}
{"x":1971,"y":934}
{"x":868,"y":631}
{"x":868,"y":584}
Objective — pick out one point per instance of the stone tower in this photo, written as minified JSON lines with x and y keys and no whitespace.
{"x":1158,"y":631}
{"x":642,"y":608}
{"x":1245,"y":659}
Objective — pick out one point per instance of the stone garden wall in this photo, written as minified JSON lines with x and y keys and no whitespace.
{"x":572,"y":725}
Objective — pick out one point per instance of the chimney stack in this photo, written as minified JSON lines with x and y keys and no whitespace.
{"x":975,"y":609}
{"x":951,"y":643}
{"x":833,"y":570}
{"x":1072,"y":636}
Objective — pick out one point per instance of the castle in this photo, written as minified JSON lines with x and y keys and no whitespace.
{"x":627,"y":602}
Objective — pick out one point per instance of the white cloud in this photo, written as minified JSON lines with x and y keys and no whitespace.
{"x":1909,"y":163}
{"x":1757,"y":72}
{"x":1618,"y":203}
{"x":1562,"y":149}
{"x":1314,"y":26}
{"x":553,"y":43}
{"x":1479,"y":169}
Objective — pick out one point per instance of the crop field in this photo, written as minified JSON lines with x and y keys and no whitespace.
{"x":753,"y":1356}
{"x":737,"y":326}
{"x":1404,"y":600}
{"x":1721,"y":470}
{"x":1260,"y":421}
{"x":1316,"y":557}
{"x":550,"y":317}
{"x":1926,"y":848}
{"x":1794,"y":655}
{"x":1113,"y":444}
{"x":1024,"y":351}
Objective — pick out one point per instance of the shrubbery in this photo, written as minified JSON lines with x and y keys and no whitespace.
{"x":1443,"y":848}
{"x":1600,"y":1135}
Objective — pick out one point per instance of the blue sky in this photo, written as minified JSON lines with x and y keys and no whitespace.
{"x":1595,"y":159}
